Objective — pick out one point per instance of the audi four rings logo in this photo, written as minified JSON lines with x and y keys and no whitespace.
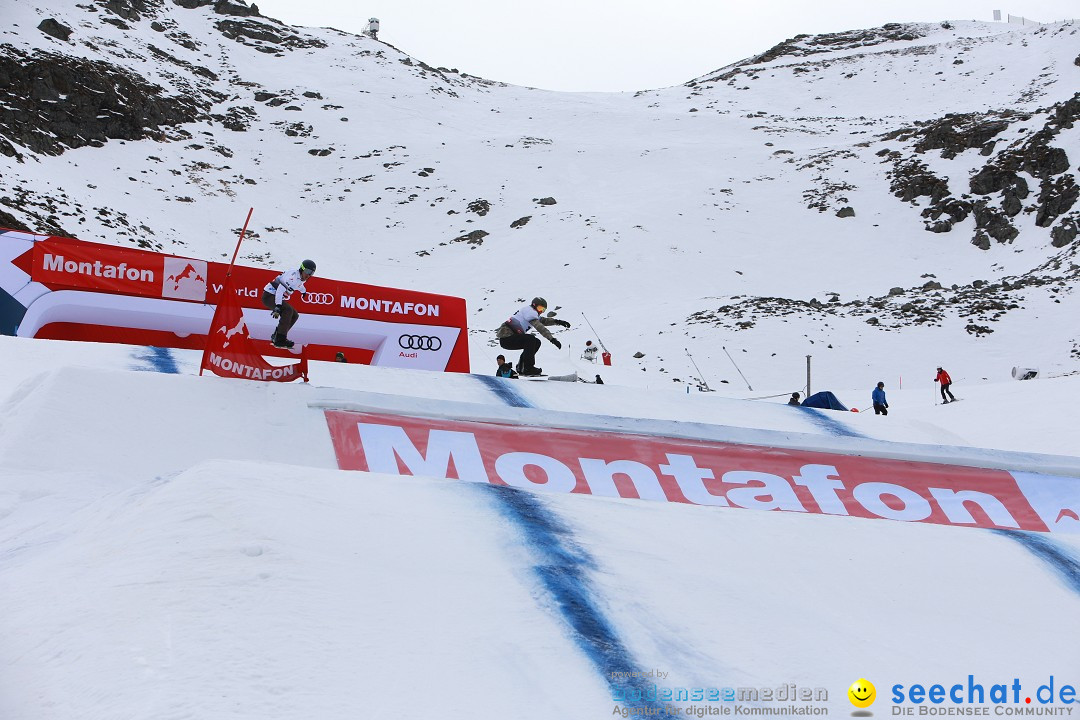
{"x":419,"y":342}
{"x":318,"y":298}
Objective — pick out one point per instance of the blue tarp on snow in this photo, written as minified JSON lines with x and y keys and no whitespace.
{"x":824,"y":400}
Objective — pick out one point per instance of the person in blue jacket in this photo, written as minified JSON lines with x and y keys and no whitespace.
{"x":881,"y":405}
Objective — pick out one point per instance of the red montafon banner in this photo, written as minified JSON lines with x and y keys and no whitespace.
{"x":230,"y":353}
{"x":704,"y":473}
{"x":62,"y":288}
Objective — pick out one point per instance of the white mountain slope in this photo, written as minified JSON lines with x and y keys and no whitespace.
{"x":694,"y":217}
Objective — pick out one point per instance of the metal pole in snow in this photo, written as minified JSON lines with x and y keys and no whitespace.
{"x":703,"y":381}
{"x":737,"y":367}
{"x":602,"y":346}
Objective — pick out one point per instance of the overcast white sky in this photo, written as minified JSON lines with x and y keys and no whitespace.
{"x":616,"y":45}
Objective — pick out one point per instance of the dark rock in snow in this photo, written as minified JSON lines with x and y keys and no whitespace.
{"x":101,"y":102}
{"x":1065,"y":231}
{"x":479,"y":206}
{"x":55,"y":29}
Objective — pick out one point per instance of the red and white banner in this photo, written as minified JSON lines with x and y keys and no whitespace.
{"x":704,"y":473}
{"x":62,"y":288}
{"x":230,"y":353}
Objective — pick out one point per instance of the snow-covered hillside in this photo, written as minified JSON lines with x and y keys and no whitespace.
{"x":185,"y":547}
{"x":701,"y":216}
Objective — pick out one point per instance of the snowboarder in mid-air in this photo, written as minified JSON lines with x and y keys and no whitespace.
{"x":275,"y":296}
{"x":514,"y":334}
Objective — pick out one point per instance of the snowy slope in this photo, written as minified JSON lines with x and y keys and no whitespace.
{"x":176,"y":546}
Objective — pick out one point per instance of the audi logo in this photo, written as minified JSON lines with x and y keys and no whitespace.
{"x":419,"y":342}
{"x":318,"y":298}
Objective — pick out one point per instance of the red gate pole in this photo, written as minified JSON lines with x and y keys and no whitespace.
{"x":226,"y":287}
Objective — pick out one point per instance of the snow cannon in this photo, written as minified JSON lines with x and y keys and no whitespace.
{"x":1025,"y":373}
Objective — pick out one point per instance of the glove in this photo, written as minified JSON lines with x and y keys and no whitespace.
{"x":562,"y":323}
{"x":556,"y":343}
{"x":276,"y":313}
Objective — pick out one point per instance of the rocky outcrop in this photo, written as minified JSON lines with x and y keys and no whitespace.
{"x":480,"y":206}
{"x":1001,"y":184}
{"x":52,"y":102}
{"x":132,"y":10}
{"x":1065,"y":231}
{"x":953,"y":134}
{"x":55,"y":28}
{"x":265,"y":36}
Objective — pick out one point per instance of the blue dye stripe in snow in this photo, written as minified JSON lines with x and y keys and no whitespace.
{"x":829,"y":424}
{"x":505,"y":389}
{"x":1064,"y":564}
{"x":562,"y":567}
{"x":155,"y":359}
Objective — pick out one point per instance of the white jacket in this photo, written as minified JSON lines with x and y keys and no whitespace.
{"x":284,"y":285}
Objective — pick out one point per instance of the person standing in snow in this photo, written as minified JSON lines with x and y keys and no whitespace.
{"x":372,"y":28}
{"x":514,"y":334}
{"x":881,"y":405}
{"x":946,"y":381}
{"x":794,"y":399}
{"x":590,"y":352}
{"x":275,"y":296}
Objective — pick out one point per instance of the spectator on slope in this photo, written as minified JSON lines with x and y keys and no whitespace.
{"x":881,"y":405}
{"x":946,"y":381}
{"x":372,"y":29}
{"x":505,"y":370}
{"x":275,"y":296}
{"x":514,"y":334}
{"x":590,"y":352}
{"x":794,"y":399}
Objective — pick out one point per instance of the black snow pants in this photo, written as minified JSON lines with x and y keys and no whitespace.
{"x":525,"y":342}
{"x":288,"y":318}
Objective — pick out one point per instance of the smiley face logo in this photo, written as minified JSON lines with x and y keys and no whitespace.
{"x":862,"y":693}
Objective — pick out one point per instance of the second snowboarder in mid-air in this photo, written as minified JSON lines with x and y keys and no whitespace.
{"x":514,"y":334}
{"x":275,"y":296}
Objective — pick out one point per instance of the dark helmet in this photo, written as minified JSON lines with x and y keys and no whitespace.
{"x":308,"y":266}
{"x":539,"y":302}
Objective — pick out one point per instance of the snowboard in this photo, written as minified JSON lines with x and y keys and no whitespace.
{"x":572,"y":377}
{"x":951,"y":401}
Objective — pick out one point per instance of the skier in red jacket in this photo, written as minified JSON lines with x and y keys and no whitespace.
{"x":943,"y":378}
